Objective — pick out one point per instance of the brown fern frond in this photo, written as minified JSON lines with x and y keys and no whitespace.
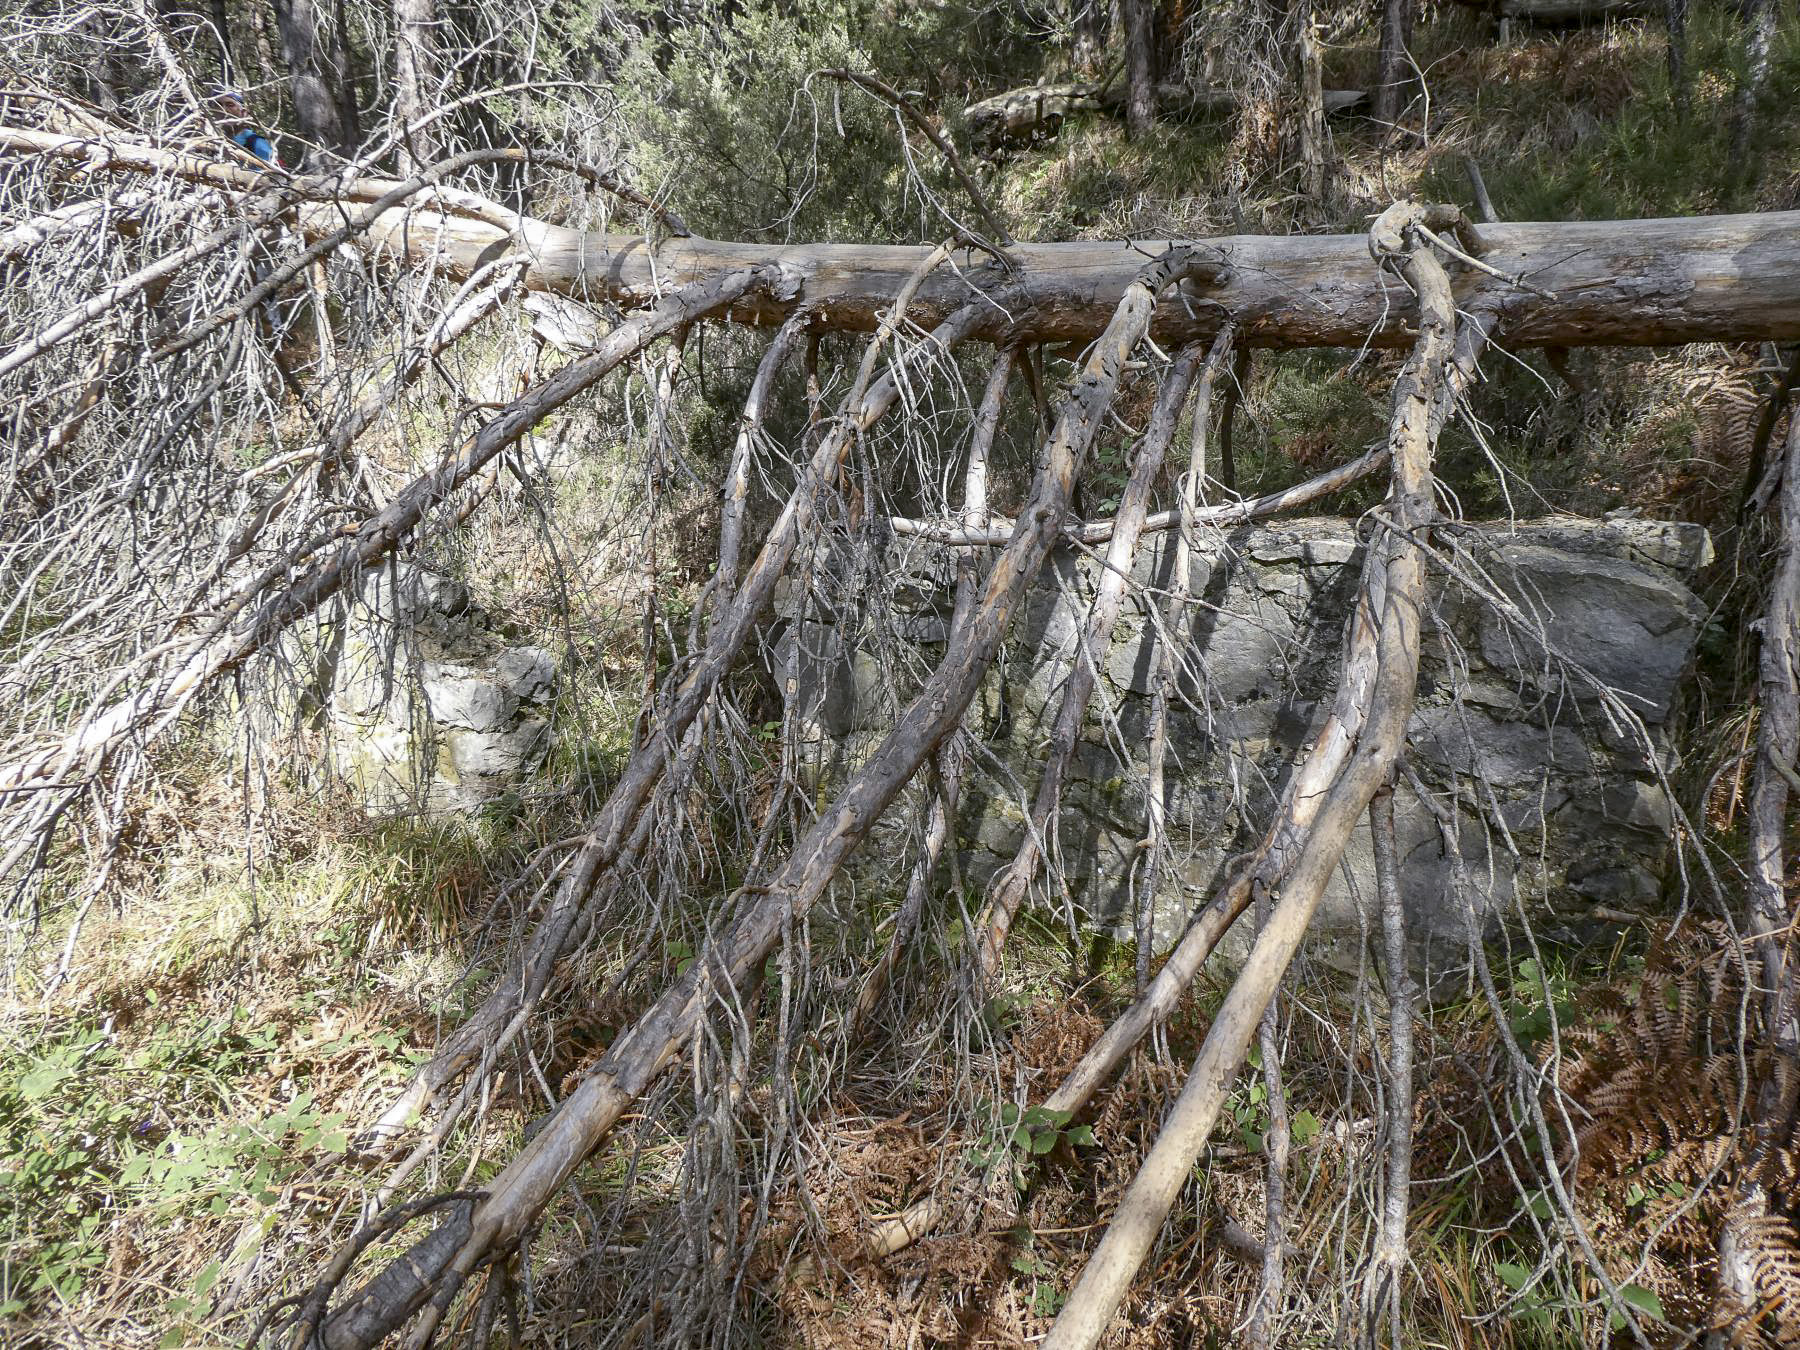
{"x":1767,"y":1247}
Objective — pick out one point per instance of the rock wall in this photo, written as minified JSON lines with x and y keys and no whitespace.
{"x":419,"y":700}
{"x":1557,"y":801}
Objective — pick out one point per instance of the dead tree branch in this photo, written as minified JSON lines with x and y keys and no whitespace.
{"x":1382,"y":1281}
{"x":1015,"y":879}
{"x":430,"y":1276}
{"x":1360,"y":741}
{"x":952,"y":756}
{"x":609,"y":830}
{"x":907,"y":108}
{"x":271,"y":603}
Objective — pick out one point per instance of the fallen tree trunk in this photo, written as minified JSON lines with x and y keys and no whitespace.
{"x":1020,"y":112}
{"x":1553,"y":12}
{"x":1629,"y":283}
{"x":1593,"y":283}
{"x":1744,"y":1243}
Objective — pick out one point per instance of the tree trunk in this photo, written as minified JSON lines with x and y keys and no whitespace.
{"x":1741,"y":1304}
{"x":415,"y":80}
{"x":1759,"y":40}
{"x":1091,"y":20}
{"x":1777,"y":747}
{"x":1580,"y":283}
{"x":1675,"y":17}
{"x":1311,"y":71}
{"x":1140,"y":62}
{"x":1396,"y":33}
{"x":1626,"y":283}
{"x":221,"y":26}
{"x":317,"y":77}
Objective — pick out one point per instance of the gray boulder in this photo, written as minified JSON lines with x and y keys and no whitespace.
{"x":1551,"y":798}
{"x":418,"y":701}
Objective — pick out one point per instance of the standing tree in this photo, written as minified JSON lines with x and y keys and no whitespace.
{"x":315,"y":48}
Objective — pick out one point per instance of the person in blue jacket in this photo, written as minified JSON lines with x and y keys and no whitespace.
{"x":237,"y":122}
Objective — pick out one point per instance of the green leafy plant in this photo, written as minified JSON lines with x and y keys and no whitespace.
{"x":1046,"y":1298}
{"x":1021,"y":1135}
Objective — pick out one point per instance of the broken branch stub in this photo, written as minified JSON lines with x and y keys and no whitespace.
{"x":430,"y":1275}
{"x":1361,"y":740}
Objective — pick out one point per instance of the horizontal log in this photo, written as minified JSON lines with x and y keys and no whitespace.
{"x":1018,"y":112}
{"x":1557,"y":12}
{"x":1585,"y":283}
{"x":1589,"y":283}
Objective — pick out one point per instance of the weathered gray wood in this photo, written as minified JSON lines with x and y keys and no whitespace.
{"x":1013,"y":881}
{"x":1633,"y":283}
{"x":1594,"y":283}
{"x":1300,"y":803}
{"x":1172,"y":639}
{"x":1777,"y":745}
{"x":1359,"y":743}
{"x":1740,"y":1303}
{"x":432,"y":1271}
{"x":609,"y":829}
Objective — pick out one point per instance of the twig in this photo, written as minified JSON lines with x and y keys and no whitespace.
{"x":887,"y":93}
